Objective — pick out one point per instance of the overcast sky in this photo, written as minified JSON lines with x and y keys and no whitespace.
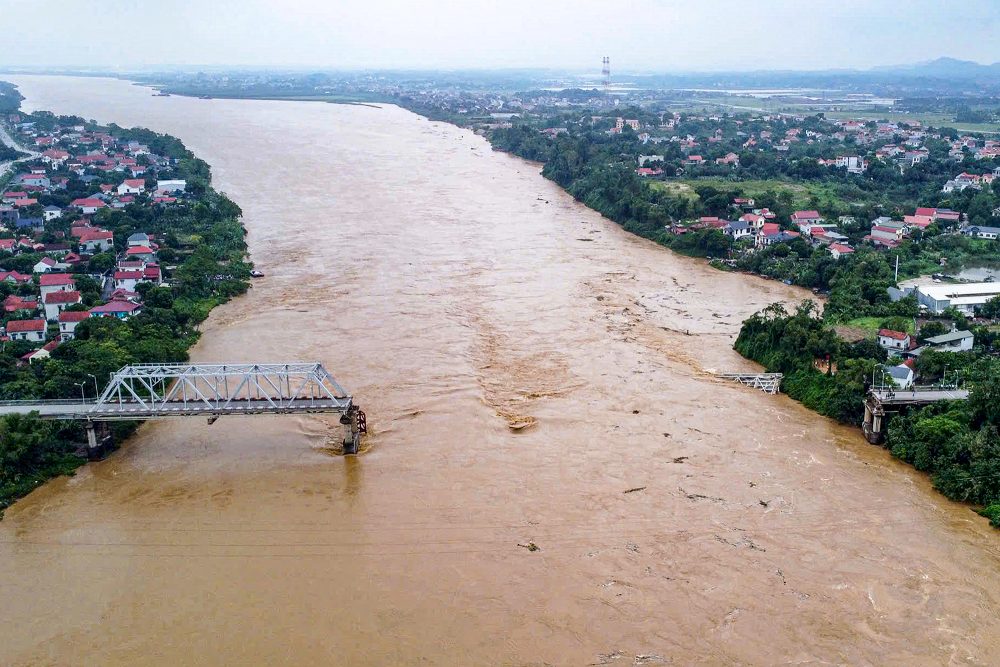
{"x":649,"y":35}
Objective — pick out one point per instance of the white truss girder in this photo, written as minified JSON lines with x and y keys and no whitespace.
{"x":767,"y":382}
{"x":157,"y":390}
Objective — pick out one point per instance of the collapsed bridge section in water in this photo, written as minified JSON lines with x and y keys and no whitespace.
{"x":152,"y":391}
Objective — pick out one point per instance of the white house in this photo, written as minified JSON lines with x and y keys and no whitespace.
{"x":88,"y":205}
{"x":893,"y":341}
{"x":132,"y":186}
{"x":838,"y":250}
{"x":738,"y":229}
{"x":138,"y":239}
{"x":41,"y":353}
{"x":68,"y":319}
{"x":51,"y":213}
{"x":171,"y":186}
{"x":57,"y":302}
{"x":955,"y":341}
{"x":902,"y":375}
{"x":982,"y":232}
{"x":30,"y":330}
{"x":44,"y":265}
{"x":127,"y":280}
{"x":56,"y":282}
{"x":97,"y":240}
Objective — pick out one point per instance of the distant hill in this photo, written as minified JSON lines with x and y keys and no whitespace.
{"x":944,"y":68}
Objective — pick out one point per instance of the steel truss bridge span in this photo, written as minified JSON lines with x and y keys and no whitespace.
{"x":178,"y":390}
{"x":153,"y":391}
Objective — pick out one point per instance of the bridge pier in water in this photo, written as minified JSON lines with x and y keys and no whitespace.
{"x":355,"y":420}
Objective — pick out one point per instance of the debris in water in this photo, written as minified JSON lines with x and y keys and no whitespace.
{"x":635,"y":412}
{"x":530,"y":546}
{"x":680,"y":459}
{"x":763,"y":503}
{"x":638,"y":488}
{"x":701,"y":496}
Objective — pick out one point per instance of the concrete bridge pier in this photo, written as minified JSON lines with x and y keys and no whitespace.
{"x":99,"y":440}
{"x":354,"y":419}
{"x":872,"y":425}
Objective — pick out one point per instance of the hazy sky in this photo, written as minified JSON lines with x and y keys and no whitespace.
{"x":655,"y":35}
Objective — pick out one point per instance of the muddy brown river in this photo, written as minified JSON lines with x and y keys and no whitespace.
{"x":532,"y":375}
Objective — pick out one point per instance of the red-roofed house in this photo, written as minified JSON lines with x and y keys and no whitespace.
{"x":893,"y":341}
{"x":14,"y":277}
{"x":838,"y":250}
{"x":128,"y":279}
{"x":88,"y":205}
{"x":42,"y":353}
{"x":56,"y":282}
{"x":806,"y":218}
{"x":97,"y":240}
{"x":132,"y":186}
{"x":151,"y":274}
{"x":14,"y":303}
{"x":117,"y":308}
{"x":30,"y":330}
{"x":57,"y":302}
{"x":141,"y":252}
{"x":68,"y":319}
{"x":920,"y":221}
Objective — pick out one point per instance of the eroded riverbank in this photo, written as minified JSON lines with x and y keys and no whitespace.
{"x":432,"y":277}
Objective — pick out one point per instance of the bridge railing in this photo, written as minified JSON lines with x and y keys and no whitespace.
{"x":48,"y":401}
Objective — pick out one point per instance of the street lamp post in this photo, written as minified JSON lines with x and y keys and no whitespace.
{"x":83,"y":396}
{"x":97,"y":392}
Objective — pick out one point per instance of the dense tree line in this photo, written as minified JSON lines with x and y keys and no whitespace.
{"x":957,"y":443}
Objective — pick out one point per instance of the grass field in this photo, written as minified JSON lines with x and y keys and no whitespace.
{"x":928,"y":118}
{"x":872,"y":324}
{"x":737,"y":103}
{"x":805,"y":195}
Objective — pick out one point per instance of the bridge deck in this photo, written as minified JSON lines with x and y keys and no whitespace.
{"x":919,"y":396}
{"x":117,"y":412}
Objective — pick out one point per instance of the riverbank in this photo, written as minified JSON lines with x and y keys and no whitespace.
{"x":195,"y":230}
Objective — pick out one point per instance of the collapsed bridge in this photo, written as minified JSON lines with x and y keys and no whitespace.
{"x":154,"y":391}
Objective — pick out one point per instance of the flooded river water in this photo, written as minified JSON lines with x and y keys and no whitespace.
{"x":458,"y":294}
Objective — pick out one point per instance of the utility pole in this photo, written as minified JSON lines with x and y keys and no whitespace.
{"x":896,"y":278}
{"x":606,"y":74}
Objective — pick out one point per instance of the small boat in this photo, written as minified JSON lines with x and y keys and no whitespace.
{"x":256,"y":274}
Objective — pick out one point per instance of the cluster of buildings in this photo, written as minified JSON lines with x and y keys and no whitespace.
{"x":965,"y":181}
{"x":900,"y":344}
{"x":56,"y":301}
{"x":888,"y":233}
{"x":45,"y":306}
